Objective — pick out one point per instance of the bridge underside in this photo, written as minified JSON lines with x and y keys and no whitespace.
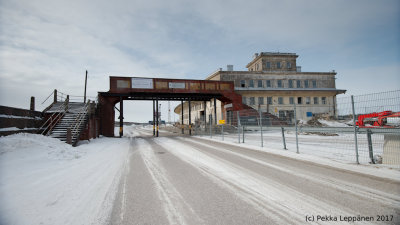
{"x":108,"y":101}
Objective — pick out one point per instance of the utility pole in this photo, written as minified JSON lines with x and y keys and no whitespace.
{"x":84,"y":96}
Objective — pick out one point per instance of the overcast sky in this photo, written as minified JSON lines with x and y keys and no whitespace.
{"x":48,"y":44}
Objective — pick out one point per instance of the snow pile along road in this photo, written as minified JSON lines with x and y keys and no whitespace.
{"x":45,"y":181}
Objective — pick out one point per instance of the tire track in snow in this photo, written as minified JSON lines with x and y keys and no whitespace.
{"x":124,"y":184}
{"x":351,"y":188}
{"x":175,"y":207}
{"x":271,"y":198}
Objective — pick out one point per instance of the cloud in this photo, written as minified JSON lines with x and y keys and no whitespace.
{"x":47,"y":44}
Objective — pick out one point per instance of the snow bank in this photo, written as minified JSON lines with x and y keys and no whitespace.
{"x":45,"y":181}
{"x":332,"y":123}
{"x":377,"y":170}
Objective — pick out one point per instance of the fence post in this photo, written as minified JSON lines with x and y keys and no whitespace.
{"x":210,"y":120}
{"x":283,"y":138}
{"x":371,"y":150}
{"x":55,"y":96}
{"x":295,"y":122}
{"x":243,"y":133}
{"x":355,"y":129}
{"x":238,"y":124}
{"x":32,"y":106}
{"x":261,"y":132}
{"x":69,"y":136}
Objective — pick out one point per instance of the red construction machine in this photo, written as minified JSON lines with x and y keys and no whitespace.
{"x":386,"y":119}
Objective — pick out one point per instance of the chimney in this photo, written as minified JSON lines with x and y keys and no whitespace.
{"x":229,"y":67}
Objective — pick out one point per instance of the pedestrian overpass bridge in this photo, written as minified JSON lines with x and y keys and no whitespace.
{"x":159,"y":89}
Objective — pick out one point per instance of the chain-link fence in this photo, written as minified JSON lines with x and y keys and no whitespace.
{"x":373,"y":136}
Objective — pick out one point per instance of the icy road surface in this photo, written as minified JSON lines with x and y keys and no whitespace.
{"x":183,"y":180}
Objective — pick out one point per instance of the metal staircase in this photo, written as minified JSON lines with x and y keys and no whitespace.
{"x":67,"y":121}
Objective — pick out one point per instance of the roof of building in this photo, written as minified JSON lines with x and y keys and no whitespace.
{"x":217,"y":72}
{"x":261,"y":54}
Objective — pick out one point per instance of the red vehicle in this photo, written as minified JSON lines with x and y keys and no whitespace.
{"x":387,"y":119}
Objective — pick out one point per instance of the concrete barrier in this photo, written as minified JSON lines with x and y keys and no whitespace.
{"x":391,"y":149}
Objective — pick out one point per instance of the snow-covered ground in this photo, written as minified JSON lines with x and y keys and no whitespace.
{"x":45,"y":181}
{"x":339,"y":147}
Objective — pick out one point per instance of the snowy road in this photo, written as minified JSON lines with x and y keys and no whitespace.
{"x":183,"y":180}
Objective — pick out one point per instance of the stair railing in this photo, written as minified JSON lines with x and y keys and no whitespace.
{"x":54,"y":118}
{"x":80,"y":118}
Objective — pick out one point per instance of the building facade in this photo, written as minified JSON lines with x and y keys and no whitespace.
{"x":274,"y":83}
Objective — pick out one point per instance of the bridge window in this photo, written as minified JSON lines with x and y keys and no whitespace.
{"x":195,"y":86}
{"x":123,"y":84}
{"x":210,"y":86}
{"x":242,"y":83}
{"x":224,"y":87}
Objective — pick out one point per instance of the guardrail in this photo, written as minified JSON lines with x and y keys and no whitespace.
{"x":54,"y":118}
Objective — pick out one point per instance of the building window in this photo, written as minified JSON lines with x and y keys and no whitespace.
{"x":299,"y":100}
{"x":242,"y":83}
{"x":251,"y":83}
{"x":279,"y":83}
{"x":316,"y":101}
{"x":308,"y":100}
{"x":291,"y":100}
{"x":298,"y":82}
{"x":278,"y":65}
{"x":288,"y":65}
{"x":244,"y":100}
{"x":268,"y":65}
{"x":260,"y":100}
{"x":323,"y":100}
{"x":314,"y":83}
{"x":252,"y":101}
{"x":280,"y":100}
{"x":256,"y":67}
{"x":269,"y":100}
{"x":260,"y":83}
{"x":290,"y":83}
{"x":306,"y":84}
{"x":268,"y":83}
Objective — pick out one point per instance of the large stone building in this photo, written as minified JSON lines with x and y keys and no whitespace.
{"x":274,"y":83}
